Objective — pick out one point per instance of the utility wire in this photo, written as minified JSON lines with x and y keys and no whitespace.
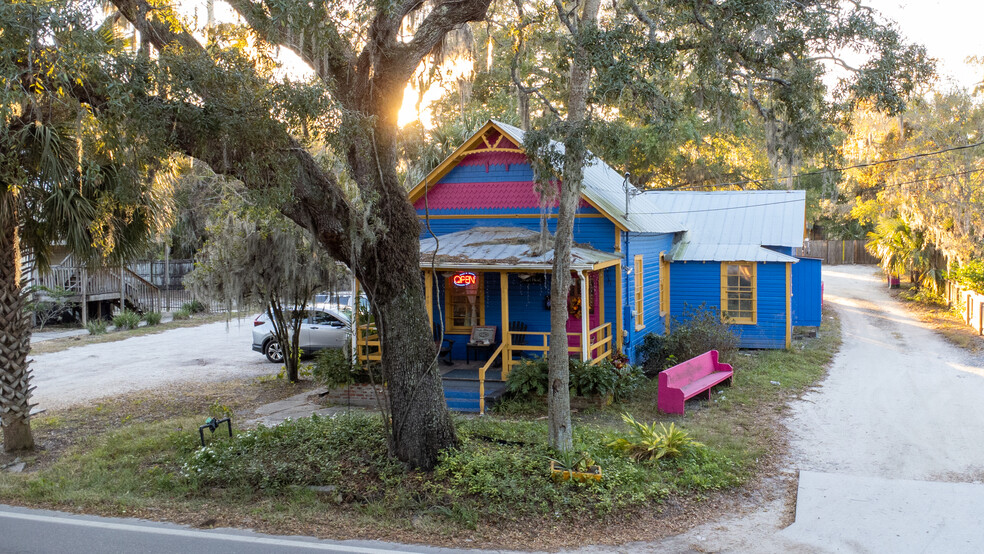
{"x":836,"y":169}
{"x":912,"y":182}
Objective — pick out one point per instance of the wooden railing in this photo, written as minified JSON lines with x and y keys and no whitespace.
{"x":481,"y":378}
{"x":367,"y":342}
{"x":104,"y":284}
{"x":600,"y":343}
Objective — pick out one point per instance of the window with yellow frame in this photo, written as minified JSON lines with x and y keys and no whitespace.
{"x":464,"y":302}
{"x":664,"y":285}
{"x":640,"y":318}
{"x":738,"y":299}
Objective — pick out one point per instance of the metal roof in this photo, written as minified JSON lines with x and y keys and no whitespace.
{"x":735,"y":225}
{"x":502,"y":248}
{"x":604,"y":187}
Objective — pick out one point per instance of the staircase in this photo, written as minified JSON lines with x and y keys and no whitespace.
{"x":104,"y":285}
{"x":461,"y":389}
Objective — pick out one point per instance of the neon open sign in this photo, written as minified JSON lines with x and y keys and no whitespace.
{"x":464,"y":279}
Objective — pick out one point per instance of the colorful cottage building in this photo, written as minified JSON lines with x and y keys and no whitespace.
{"x":640,"y":259}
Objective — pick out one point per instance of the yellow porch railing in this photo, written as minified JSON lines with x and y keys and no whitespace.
{"x":600,"y":343}
{"x":481,"y":378}
{"x":368,"y":348}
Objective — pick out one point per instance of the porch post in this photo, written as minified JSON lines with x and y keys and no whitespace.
{"x":355,"y":319}
{"x":506,"y":337}
{"x":429,"y":296}
{"x":85,"y":295}
{"x":789,"y":305}
{"x":585,"y":317}
{"x":601,"y":301}
{"x":619,"y":309}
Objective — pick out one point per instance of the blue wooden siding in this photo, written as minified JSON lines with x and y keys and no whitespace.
{"x":649,"y":246}
{"x":807,"y":292}
{"x":696,"y":283}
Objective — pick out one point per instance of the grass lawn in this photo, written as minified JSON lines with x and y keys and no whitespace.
{"x":140,"y":457}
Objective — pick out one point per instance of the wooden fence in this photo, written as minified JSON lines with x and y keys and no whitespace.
{"x":970,"y":304}
{"x":837,"y":252}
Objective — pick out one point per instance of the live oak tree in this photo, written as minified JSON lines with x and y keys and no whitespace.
{"x":655,"y":63}
{"x":223,"y":111}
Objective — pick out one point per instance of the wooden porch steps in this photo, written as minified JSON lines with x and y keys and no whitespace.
{"x":461,"y":389}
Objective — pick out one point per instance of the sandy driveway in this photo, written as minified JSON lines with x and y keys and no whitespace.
{"x":886,"y":455}
{"x":211,"y":352}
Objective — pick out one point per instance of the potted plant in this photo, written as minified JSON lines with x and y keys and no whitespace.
{"x":571,"y":465}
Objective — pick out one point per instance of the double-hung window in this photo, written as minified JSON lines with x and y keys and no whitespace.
{"x":464,"y":304}
{"x":738,"y":300}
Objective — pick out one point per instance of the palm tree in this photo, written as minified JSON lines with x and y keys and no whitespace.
{"x":904,"y":250}
{"x":64,"y":178}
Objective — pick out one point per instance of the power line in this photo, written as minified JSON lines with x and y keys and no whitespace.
{"x":912,"y":182}
{"x":838,"y":169}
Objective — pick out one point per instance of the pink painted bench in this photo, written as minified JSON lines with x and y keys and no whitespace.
{"x":690,"y":378}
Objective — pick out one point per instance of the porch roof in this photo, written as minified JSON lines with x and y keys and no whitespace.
{"x":503,"y":249}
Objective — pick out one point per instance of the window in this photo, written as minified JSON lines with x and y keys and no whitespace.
{"x":664,"y":285}
{"x":640,"y":319}
{"x":738,"y":302}
{"x":464,"y":305}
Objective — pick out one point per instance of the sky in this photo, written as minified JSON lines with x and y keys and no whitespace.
{"x":949,"y":29}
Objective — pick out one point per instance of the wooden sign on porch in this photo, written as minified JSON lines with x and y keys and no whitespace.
{"x":483,"y":334}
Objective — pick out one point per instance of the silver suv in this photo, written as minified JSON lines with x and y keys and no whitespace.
{"x":321,"y":328}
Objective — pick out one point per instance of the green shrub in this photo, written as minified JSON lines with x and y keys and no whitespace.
{"x":333,"y":368}
{"x":529,"y":378}
{"x":97,"y":326}
{"x":194,"y":307}
{"x":592,"y":380}
{"x":127,"y":319}
{"x":645,"y":442}
{"x":153,"y":318}
{"x":628,"y":379}
{"x":970,"y":275}
{"x":182,"y":314}
{"x":696,"y":331}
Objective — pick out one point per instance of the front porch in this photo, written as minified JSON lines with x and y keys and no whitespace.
{"x":505,"y":294}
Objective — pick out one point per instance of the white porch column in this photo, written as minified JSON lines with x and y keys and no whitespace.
{"x":585,"y":317}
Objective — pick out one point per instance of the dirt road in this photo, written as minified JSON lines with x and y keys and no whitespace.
{"x":211,"y":352}
{"x":887,"y":455}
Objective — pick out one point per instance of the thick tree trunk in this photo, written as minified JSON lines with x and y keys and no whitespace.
{"x":15,"y":339}
{"x":558,"y":394}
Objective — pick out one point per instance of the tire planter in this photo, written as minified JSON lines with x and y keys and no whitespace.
{"x":559,"y":474}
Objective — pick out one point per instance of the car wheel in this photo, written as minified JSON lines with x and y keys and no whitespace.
{"x":273,"y":351}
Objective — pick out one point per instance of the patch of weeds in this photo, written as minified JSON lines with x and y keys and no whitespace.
{"x":153,"y":318}
{"x":97,"y":326}
{"x":181,"y":314}
{"x":126,"y":319}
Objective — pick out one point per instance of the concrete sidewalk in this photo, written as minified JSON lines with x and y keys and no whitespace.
{"x":850,"y":513}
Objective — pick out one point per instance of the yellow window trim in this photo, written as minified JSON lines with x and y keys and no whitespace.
{"x":466,"y":329}
{"x":640,"y":315}
{"x":724,"y":294}
{"x":664,"y":284}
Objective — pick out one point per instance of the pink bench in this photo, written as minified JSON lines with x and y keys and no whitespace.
{"x":690,"y":378}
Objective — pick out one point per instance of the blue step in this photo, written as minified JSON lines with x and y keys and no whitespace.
{"x":461,"y":394}
{"x":463,"y":405}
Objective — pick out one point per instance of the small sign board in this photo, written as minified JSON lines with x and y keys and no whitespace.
{"x":483,"y":334}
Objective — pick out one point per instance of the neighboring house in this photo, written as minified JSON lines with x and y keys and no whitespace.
{"x":640,"y":259}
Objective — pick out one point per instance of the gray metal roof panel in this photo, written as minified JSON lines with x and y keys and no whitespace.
{"x":774,"y":218}
{"x":705,"y":252}
{"x":501,"y":247}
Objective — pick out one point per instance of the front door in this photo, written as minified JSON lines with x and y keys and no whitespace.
{"x":575,"y":311}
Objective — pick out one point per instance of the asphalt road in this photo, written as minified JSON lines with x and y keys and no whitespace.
{"x":41,"y":531}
